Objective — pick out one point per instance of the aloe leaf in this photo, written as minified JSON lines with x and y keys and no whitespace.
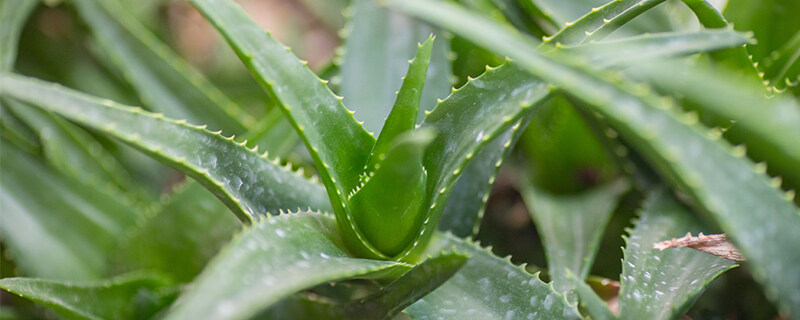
{"x":245,"y":181}
{"x":17,"y":133}
{"x":403,"y":116}
{"x":571,"y":226}
{"x":13,"y":14}
{"x":164,"y":82}
{"x":179,"y":237}
{"x":388,"y":208}
{"x":66,"y":232}
{"x":645,"y":47}
{"x":72,"y":150}
{"x":338,"y":144}
{"x":782,"y":68}
{"x":467,"y":202}
{"x":378,"y":42}
{"x":410,"y":287}
{"x":721,"y":181}
{"x":271,"y":260}
{"x":772,"y":21}
{"x":467,"y":121}
{"x":769,"y":126}
{"x":489,"y":287}
{"x":130,"y":296}
{"x":664,"y":284}
{"x":601,"y":21}
{"x":589,"y":301}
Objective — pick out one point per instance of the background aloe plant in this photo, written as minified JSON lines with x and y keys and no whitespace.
{"x":628,"y":118}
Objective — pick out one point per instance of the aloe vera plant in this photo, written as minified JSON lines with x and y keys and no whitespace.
{"x":375,"y":215}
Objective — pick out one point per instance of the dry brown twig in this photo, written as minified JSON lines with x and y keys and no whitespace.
{"x":716,"y":244}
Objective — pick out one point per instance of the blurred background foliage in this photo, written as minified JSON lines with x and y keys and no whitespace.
{"x":559,"y":152}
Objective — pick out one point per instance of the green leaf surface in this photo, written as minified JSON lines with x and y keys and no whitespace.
{"x":179,"y":238}
{"x":467,"y":121}
{"x":54,"y":226}
{"x":129,"y":296}
{"x":601,"y":21}
{"x":248,"y":183}
{"x":271,"y":260}
{"x":74,"y":151}
{"x":13,"y":15}
{"x":646,"y":47}
{"x":467,"y":202}
{"x":388,"y":208}
{"x":769,"y":126}
{"x":378,"y":42}
{"x":164,"y":82}
{"x":403,"y":116}
{"x":571,"y":226}
{"x":590,"y":302}
{"x":410,"y":287}
{"x":773,"y":22}
{"x":489,"y":287}
{"x":338,"y":144}
{"x":664,"y":284}
{"x":782,"y":67}
{"x":721,"y":181}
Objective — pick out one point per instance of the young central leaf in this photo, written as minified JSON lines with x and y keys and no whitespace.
{"x":387,"y":208}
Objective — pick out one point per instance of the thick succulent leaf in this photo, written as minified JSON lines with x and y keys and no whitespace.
{"x":601,"y":21}
{"x":17,"y":133}
{"x":403,"y":116}
{"x":129,"y":296}
{"x":590,"y":302}
{"x":72,"y":150}
{"x":163,"y":81}
{"x":54,"y":226}
{"x":773,"y":22}
{"x":410,"y":287}
{"x":645,"y":47}
{"x":13,"y":14}
{"x":489,"y":287}
{"x":339,"y":145}
{"x":271,"y":260}
{"x":467,"y":121}
{"x":718,"y":177}
{"x":180,"y":236}
{"x":664,"y":284}
{"x":245,"y":181}
{"x":388,"y":208}
{"x":782,"y":68}
{"x":571,"y":226}
{"x":378,"y":43}
{"x":770,"y":127}
{"x":467,"y":202}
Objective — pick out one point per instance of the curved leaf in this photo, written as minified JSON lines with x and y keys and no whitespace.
{"x":72,"y":150}
{"x":410,"y":287}
{"x":129,"y":296}
{"x":742,"y":200}
{"x":271,"y":260}
{"x":245,"y":181}
{"x":179,"y":238}
{"x":164,"y":82}
{"x":378,"y":42}
{"x":571,"y":226}
{"x":645,"y":47}
{"x":489,"y":287}
{"x":339,"y":145}
{"x":601,"y":21}
{"x":54,"y":226}
{"x":403,"y":116}
{"x":593,"y":305}
{"x":769,"y":126}
{"x":664,"y":284}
